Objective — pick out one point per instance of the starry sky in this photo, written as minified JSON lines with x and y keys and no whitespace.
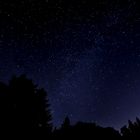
{"x":86,"y":54}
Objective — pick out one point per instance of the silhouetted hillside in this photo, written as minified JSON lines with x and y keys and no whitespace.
{"x":85,"y":131}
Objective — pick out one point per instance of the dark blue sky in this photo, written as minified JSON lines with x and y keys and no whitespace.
{"x":85,"y":54}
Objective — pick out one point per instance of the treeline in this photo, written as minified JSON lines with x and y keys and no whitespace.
{"x":25,"y":113}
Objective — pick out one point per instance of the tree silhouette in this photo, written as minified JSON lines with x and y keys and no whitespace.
{"x":43,"y":112}
{"x":66,"y":123}
{"x":132,"y":130}
{"x":25,"y":107}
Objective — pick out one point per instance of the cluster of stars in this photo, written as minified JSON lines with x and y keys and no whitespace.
{"x":85,"y":55}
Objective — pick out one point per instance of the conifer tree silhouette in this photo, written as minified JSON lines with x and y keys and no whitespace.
{"x":66,"y":123}
{"x":25,"y":108}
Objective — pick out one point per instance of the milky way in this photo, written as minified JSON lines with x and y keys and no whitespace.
{"x":86,"y":55}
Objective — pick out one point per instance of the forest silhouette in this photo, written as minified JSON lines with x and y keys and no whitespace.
{"x":25,"y":113}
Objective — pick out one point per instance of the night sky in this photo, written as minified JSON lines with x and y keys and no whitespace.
{"x":86,"y":54}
